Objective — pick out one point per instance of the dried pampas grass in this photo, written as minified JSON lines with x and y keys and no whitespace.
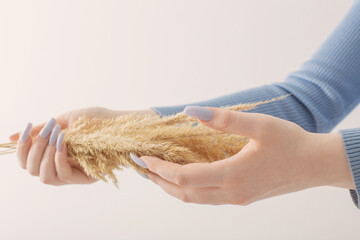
{"x":101,"y":146}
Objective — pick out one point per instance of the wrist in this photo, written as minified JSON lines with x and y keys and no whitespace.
{"x":332,"y":161}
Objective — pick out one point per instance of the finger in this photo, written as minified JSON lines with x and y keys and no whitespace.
{"x":190,"y":175}
{"x":23,"y":146}
{"x":38,"y":148}
{"x":47,"y":165}
{"x":63,"y":168}
{"x":62,"y":120}
{"x":245,"y":124}
{"x":207,"y":195}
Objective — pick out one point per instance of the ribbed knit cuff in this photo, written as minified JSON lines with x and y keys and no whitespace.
{"x":351,"y":138}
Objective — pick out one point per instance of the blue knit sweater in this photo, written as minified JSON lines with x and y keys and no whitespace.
{"x":324,"y":90}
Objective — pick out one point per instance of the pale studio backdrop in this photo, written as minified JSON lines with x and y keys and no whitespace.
{"x":57,"y":56}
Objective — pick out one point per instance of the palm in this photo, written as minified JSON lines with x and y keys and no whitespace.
{"x":67,"y":120}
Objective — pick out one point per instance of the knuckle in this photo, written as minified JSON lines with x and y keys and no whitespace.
{"x":45,"y":180}
{"x":33,"y":171}
{"x":22,"y":164}
{"x":62,"y":177}
{"x":37,"y":147}
{"x":243,"y":201}
{"x":180,"y":178}
{"x":225,"y":120}
{"x":39,"y":143}
{"x":184,"y":197}
{"x":263,"y":126}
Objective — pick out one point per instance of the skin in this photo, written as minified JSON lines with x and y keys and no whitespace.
{"x":55,"y":168}
{"x":280,"y":158}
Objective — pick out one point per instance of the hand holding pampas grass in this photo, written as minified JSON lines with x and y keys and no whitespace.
{"x":102,"y":145}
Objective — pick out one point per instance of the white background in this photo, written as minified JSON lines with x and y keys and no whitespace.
{"x":57,"y":56}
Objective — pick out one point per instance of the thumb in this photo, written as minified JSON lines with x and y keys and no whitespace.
{"x":245,"y":124}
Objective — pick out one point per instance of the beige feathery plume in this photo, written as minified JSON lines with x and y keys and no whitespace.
{"x":101,"y":146}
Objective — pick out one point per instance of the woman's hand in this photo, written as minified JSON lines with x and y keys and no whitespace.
{"x":46,"y":156}
{"x":280,"y":158}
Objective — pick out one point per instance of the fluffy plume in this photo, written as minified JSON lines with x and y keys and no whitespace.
{"x":102,"y":146}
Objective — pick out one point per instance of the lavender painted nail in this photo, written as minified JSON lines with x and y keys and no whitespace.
{"x":48,"y":128}
{"x":54,"y":135}
{"x":60,"y":142}
{"x":25,"y":134}
{"x":201,"y":113}
{"x":138,"y":161}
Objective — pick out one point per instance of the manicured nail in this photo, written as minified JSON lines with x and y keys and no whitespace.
{"x":201,"y":113}
{"x":143,"y":175}
{"x":25,"y":134}
{"x":60,"y":142}
{"x":54,"y":135}
{"x":138,"y":161}
{"x":48,"y":128}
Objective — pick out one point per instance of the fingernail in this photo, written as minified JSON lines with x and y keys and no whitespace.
{"x":25,"y":134}
{"x":138,"y":161}
{"x":143,"y":175}
{"x":60,"y":142}
{"x":201,"y":113}
{"x":54,"y":135}
{"x":48,"y":128}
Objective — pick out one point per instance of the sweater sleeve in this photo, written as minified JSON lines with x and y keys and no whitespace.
{"x":324,"y":90}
